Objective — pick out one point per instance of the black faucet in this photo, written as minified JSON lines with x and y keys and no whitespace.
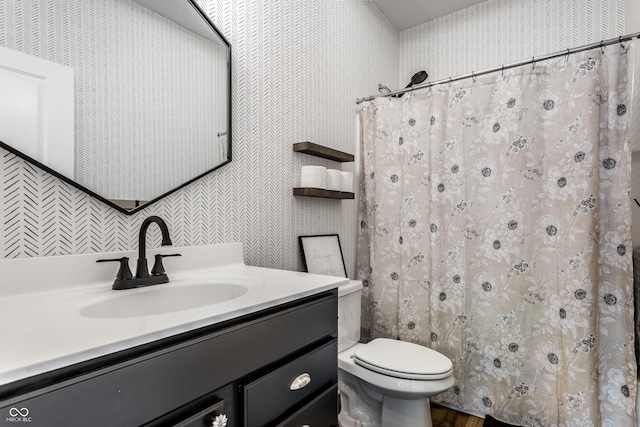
{"x":124,"y":278}
{"x":142,"y":269}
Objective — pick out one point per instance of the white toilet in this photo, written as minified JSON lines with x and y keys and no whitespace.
{"x":384,"y":383}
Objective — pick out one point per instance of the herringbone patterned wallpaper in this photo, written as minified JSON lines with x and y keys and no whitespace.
{"x":298,"y":67}
{"x":497,"y":32}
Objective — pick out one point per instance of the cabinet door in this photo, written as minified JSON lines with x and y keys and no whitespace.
{"x":273,"y":394}
{"x":214,"y":415}
{"x":217,"y":409}
{"x":320,"y":412}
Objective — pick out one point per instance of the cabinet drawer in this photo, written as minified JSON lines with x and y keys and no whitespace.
{"x":320,"y":412}
{"x":271,"y":395}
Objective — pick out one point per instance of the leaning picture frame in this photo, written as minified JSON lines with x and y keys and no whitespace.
{"x":322,"y":254}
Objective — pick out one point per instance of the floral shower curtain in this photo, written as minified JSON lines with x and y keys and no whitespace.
{"x":495,"y":228}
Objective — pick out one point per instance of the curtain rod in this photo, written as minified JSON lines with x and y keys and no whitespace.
{"x":533,"y":60}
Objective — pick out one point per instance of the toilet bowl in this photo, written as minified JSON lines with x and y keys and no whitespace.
{"x":384,"y":383}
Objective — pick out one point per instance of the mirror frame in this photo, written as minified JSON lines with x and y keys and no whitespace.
{"x":91,"y":193}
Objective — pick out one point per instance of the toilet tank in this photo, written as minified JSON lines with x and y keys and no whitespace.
{"x":349,"y":301}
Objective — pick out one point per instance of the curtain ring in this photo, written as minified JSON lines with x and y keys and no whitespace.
{"x":473,"y":76}
{"x":601,"y":46}
{"x":620,"y":41}
{"x":533,"y":62}
{"x":566,"y":58}
{"x":449,"y":81}
{"x":502,"y":70}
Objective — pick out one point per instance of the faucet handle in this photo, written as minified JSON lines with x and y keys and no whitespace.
{"x":158,"y":268}
{"x":124,"y":272}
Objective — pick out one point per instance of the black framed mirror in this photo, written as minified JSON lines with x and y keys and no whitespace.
{"x":151,"y":109}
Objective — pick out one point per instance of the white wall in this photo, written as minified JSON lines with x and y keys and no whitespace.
{"x":498,"y":32}
{"x":632,"y":16}
{"x":298,"y":67}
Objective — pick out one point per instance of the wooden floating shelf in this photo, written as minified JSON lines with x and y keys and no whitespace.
{"x":322,"y":151}
{"x":318,"y":192}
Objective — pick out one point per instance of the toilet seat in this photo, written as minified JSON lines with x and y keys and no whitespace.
{"x":403,"y":360}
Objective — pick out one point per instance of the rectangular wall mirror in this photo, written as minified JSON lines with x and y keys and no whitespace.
{"x":150,"y":103}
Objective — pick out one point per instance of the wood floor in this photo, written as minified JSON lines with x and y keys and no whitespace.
{"x":445,"y":417}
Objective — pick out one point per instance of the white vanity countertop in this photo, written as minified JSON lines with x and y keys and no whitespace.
{"x":45,"y":304}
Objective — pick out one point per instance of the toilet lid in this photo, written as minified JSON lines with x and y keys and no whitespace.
{"x":402,"y":359}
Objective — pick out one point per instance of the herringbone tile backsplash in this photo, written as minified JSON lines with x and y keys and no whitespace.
{"x":298,"y":67}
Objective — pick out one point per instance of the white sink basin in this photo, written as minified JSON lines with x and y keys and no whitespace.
{"x":162,"y":299}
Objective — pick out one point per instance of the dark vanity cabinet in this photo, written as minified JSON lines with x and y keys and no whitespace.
{"x":277,"y":367}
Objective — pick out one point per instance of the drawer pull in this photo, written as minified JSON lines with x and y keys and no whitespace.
{"x":300,"y":382}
